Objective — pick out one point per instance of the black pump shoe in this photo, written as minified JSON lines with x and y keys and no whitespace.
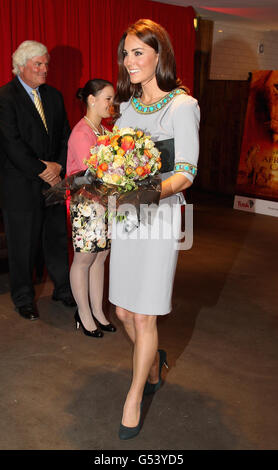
{"x":94,"y":333}
{"x":110,"y":327}
{"x":152,"y":388}
{"x":128,"y":433}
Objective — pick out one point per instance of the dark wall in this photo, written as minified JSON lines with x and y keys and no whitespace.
{"x":223,"y":106}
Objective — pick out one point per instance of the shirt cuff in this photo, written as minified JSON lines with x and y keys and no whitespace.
{"x":187,"y":169}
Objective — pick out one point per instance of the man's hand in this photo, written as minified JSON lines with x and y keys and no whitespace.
{"x":51,"y":174}
{"x":55,"y":181}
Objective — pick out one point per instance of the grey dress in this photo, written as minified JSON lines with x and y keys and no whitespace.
{"x":143,"y":262}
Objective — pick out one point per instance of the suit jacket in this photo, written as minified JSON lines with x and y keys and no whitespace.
{"x":24,"y":142}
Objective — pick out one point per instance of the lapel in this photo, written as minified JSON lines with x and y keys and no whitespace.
{"x":29,"y":106}
{"x":47,"y":107}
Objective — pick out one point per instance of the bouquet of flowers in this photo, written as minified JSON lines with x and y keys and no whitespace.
{"x":124,"y":164}
{"x":124,"y":157}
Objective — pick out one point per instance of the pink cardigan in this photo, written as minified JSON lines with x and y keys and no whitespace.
{"x":82,"y":138}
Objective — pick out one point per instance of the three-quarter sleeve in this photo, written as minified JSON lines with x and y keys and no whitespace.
{"x":185,"y":114}
{"x":79,"y":146}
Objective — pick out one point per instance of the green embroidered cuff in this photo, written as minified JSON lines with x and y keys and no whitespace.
{"x":185,"y":167}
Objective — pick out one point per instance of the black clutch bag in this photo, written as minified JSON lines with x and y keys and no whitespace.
{"x":167,"y":149}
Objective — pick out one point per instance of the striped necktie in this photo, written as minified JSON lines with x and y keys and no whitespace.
{"x":39,"y":107}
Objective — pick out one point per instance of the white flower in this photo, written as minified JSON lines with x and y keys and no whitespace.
{"x":99,"y":230}
{"x":139,"y":143}
{"x":77,"y":223}
{"x":105,"y":153}
{"x":118,"y":161}
{"x":85,"y":210}
{"x":100,"y":211}
{"x":107,"y":178}
{"x":90,"y":233}
{"x":155,"y":152}
{"x":126,"y":130}
{"x":148,"y":144}
{"x":79,"y":242}
{"x":93,"y":150}
{"x":82,"y":233}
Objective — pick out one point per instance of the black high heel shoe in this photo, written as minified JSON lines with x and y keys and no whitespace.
{"x":94,"y":333}
{"x":110,"y":327}
{"x":152,"y":388}
{"x":128,"y":433}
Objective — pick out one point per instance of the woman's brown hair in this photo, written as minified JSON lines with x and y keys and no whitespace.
{"x":155,"y":36}
{"x":92,"y":87}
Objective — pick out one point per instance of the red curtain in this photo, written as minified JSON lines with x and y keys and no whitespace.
{"x":82,"y":38}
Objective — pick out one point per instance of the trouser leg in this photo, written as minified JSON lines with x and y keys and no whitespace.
{"x":22,"y":231}
{"x":55,"y":243}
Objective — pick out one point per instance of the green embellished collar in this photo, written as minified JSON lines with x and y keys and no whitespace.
{"x":152,"y":108}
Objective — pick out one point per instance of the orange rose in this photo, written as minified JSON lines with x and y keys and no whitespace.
{"x":93,"y":160}
{"x":103,"y":166}
{"x":120,"y":152}
{"x":127,"y":143}
{"x":140,"y":171}
{"x":147,"y":168}
{"x":103,"y":139}
{"x":147,"y":153}
{"x":139,"y":134}
{"x":114,"y":140}
{"x":99,"y":173}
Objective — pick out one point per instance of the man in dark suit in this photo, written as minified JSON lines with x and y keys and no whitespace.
{"x":33,"y":145}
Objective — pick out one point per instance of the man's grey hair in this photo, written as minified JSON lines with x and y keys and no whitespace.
{"x":27,"y":50}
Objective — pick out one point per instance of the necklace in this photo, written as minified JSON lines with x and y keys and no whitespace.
{"x":158,"y":105}
{"x":95,"y":129}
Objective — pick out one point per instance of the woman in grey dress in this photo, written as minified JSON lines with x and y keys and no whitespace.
{"x":143,"y":262}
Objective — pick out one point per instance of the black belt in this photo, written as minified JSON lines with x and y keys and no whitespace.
{"x":167,"y":149}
